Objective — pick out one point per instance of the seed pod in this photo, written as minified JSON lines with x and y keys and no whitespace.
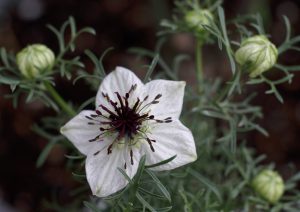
{"x":258,"y":53}
{"x":195,"y":19}
{"x":34,"y":60}
{"x":269,"y":185}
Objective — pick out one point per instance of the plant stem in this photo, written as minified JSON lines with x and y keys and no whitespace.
{"x":59,"y":100}
{"x":199,"y":65}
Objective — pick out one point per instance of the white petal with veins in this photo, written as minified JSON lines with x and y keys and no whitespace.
{"x":170,"y":103}
{"x":79,"y":132}
{"x":120,"y":81}
{"x":171,"y":139}
{"x":102,"y":174}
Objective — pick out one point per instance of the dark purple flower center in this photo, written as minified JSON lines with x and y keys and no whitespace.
{"x":124,"y":119}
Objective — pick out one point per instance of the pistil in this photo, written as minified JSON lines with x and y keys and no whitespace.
{"x":124,"y":120}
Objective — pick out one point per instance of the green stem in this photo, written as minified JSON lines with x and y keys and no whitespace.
{"x":59,"y":100}
{"x":199,"y":65}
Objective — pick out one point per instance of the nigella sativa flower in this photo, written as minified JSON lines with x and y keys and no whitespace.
{"x":131,"y":119}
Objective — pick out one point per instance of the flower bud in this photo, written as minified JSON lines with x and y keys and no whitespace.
{"x":257,"y":52}
{"x":269,"y":185}
{"x":195,"y":19}
{"x":35,"y":60}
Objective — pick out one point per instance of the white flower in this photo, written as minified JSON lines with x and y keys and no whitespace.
{"x":131,"y":119}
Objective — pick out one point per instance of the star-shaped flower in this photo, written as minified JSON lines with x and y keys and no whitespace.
{"x":131,"y":119}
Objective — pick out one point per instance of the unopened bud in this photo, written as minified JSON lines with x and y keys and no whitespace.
{"x":269,"y":185}
{"x":195,"y":19}
{"x":35,"y":60}
{"x":258,"y":53}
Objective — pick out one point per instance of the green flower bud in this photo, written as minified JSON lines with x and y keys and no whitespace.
{"x":269,"y":185}
{"x":258,"y":52}
{"x":35,"y":60}
{"x":195,"y":19}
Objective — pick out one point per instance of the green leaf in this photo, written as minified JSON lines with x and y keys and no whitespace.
{"x":226,"y":40}
{"x":144,"y":202}
{"x":125,"y":175}
{"x":140,"y":170}
{"x":214,"y":114}
{"x":96,"y":62}
{"x":161,"y":62}
{"x":30,"y":96}
{"x":79,"y":175}
{"x":9,"y":80}
{"x":150,"y":193}
{"x":102,"y":57}
{"x":72,"y":26}
{"x":233,"y":134}
{"x":91,"y":206}
{"x":4,"y":57}
{"x":59,"y":37}
{"x":161,"y":163}
{"x":73,"y":32}
{"x":288,"y":28}
{"x":259,"y":26}
{"x":44,"y":154}
{"x":75,"y":157}
{"x":151,"y":68}
{"x":88,"y":102}
{"x":117,"y":195}
{"x":87,"y":30}
{"x":207,"y":183}
{"x":165,"y":209}
{"x":288,"y":68}
{"x":161,"y":187}
{"x":295,"y":178}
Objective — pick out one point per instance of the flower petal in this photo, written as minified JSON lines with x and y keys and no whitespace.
{"x":101,"y":170}
{"x":171,"y":139}
{"x":170,"y":104}
{"x":120,"y":80}
{"x":79,"y":132}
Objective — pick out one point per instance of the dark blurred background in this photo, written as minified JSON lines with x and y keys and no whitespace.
{"x":122,"y":24}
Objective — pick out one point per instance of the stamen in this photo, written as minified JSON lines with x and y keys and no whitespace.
{"x":150,"y":144}
{"x":158,"y":96}
{"x":120,"y":99}
{"x":109,"y":149}
{"x":136,"y":104}
{"x":106,"y":96}
{"x":124,"y":120}
{"x":131,"y":157}
{"x":96,"y":153}
{"x":146,"y":98}
{"x":107,"y":110}
{"x":90,"y":118}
